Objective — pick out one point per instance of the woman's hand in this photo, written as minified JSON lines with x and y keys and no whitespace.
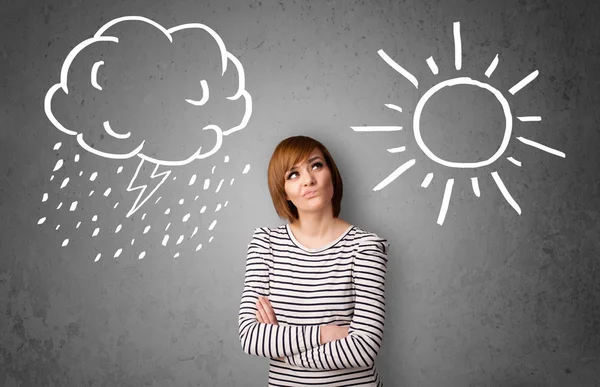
{"x":265,"y":313}
{"x":332,"y":333}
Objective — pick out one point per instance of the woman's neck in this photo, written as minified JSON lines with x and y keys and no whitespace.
{"x":318,"y":227}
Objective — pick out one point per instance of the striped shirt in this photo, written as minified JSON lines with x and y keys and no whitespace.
{"x":342,"y":283}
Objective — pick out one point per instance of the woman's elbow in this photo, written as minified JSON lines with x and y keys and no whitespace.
{"x":369,"y":349}
{"x":245,"y":347}
{"x":246,"y":344}
{"x":247,"y":350}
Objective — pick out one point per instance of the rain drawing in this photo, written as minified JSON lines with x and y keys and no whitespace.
{"x":171,"y":102}
{"x":506,"y":112}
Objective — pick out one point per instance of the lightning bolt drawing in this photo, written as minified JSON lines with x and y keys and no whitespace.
{"x":142,"y":187}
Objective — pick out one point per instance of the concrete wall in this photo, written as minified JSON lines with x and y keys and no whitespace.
{"x":483,"y":296}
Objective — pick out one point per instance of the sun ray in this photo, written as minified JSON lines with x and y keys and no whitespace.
{"x":475,"y":184}
{"x":376,"y":128}
{"x":427,"y":180}
{"x":432,"y":65}
{"x":400,"y":170}
{"x":509,"y":116}
{"x":457,"y":46}
{"x":523,"y":82}
{"x":505,"y":192}
{"x":541,"y":147}
{"x":515,"y":162}
{"x":529,"y":118}
{"x":445,"y":201}
{"x":492,"y":67}
{"x":398,"y":68}
{"x":394,"y":107}
{"x":397,"y":150}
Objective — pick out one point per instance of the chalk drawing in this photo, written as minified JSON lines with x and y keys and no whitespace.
{"x":508,"y":117}
{"x":146,"y":187}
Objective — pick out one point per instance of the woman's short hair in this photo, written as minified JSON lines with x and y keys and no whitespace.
{"x":288,"y":153}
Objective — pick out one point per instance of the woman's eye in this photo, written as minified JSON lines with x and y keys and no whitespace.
{"x":317,"y":164}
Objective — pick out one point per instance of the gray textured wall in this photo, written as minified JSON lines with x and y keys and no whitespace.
{"x":489,"y":298}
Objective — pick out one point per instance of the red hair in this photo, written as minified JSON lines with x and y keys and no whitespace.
{"x":288,"y":153}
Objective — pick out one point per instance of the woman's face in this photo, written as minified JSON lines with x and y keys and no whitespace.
{"x":308,"y":184}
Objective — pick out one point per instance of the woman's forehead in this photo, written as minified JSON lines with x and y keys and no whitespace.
{"x":315,"y":153}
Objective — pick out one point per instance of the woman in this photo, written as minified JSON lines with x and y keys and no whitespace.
{"x":313,"y":299}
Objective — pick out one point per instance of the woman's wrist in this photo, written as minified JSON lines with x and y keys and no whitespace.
{"x":329,"y":333}
{"x":321,"y":333}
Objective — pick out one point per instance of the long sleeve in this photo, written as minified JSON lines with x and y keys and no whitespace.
{"x":365,"y":333}
{"x":260,"y":339}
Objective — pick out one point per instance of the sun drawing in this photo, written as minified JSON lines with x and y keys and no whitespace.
{"x":417,"y":132}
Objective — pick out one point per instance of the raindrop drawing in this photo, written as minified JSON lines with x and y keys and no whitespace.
{"x":143,"y":185}
{"x":508,"y":126}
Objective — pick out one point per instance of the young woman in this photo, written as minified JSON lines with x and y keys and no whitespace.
{"x":313,"y":299}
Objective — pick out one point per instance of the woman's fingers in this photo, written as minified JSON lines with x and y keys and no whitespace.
{"x":262,"y":317}
{"x":266,"y":311}
{"x":259,"y":316}
{"x":332,"y":333}
{"x":261,"y":311}
{"x":273,"y":311}
{"x":269,"y":310}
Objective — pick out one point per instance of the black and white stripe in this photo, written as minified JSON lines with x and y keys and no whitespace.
{"x":342,"y":283}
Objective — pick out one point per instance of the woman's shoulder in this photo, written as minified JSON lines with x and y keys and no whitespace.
{"x":357,"y":231}
{"x":370,"y":238}
{"x":267,"y":231}
{"x":366,"y":234}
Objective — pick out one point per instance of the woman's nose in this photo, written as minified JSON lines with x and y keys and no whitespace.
{"x":309,"y":178}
